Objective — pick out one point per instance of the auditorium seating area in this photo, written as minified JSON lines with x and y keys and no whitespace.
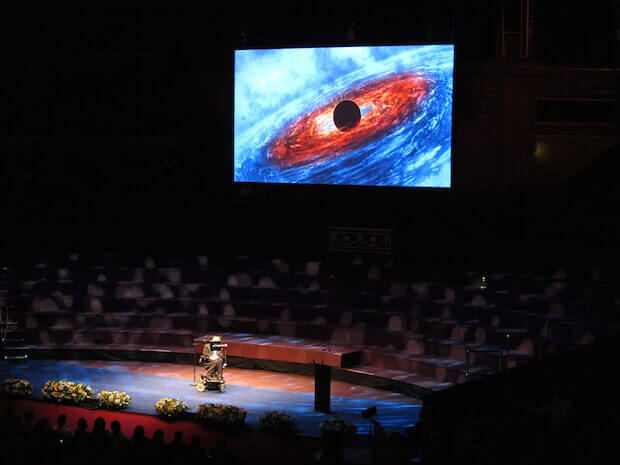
{"x":429,"y":329}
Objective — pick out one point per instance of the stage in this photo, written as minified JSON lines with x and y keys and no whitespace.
{"x":258,"y":391}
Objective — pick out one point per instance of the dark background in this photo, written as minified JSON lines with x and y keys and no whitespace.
{"x":117,"y":133}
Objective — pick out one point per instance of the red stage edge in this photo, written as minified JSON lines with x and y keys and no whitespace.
{"x":258,"y":444}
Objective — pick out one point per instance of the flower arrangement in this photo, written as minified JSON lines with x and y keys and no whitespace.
{"x":67,"y":391}
{"x":113,"y":399}
{"x":277,"y":421}
{"x":17,"y":387}
{"x":169,"y":407}
{"x":222,"y":414}
{"x":340,"y":426}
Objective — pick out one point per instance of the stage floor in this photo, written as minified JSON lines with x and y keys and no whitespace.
{"x":257,"y":391}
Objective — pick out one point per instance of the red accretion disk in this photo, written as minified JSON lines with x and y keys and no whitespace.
{"x":384,"y":103}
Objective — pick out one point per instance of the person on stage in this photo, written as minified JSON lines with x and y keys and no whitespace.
{"x":212,"y":359}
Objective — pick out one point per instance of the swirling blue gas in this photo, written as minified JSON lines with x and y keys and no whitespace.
{"x":284,"y":99}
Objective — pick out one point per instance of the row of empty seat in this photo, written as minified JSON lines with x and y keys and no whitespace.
{"x":433,"y":328}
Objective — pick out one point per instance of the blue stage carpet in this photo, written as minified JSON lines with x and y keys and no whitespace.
{"x":145,"y":390}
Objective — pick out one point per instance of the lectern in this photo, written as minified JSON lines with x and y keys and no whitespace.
{"x":322,"y":387}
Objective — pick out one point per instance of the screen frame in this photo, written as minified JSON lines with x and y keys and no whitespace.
{"x":266,"y":186}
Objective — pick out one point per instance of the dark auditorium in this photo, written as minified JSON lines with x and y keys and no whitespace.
{"x":314,"y":233}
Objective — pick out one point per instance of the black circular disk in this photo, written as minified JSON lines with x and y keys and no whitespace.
{"x":347,"y":115}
